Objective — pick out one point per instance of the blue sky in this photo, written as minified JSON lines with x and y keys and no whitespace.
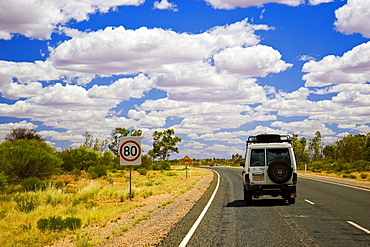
{"x":216,"y":71}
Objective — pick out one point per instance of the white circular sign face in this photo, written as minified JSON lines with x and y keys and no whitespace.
{"x":130,"y":151}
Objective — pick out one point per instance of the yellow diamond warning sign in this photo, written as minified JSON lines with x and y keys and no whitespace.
{"x":186,"y":160}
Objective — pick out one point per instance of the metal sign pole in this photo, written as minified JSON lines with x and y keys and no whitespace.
{"x":130,"y":183}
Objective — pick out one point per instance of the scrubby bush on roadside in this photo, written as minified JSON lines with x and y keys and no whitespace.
{"x":142,"y":171}
{"x":97,"y":171}
{"x":3,"y":181}
{"x":22,"y":159}
{"x":79,"y":158}
{"x":27,"y":202}
{"x":33,"y":184}
{"x":54,"y":223}
{"x":161,"y":165}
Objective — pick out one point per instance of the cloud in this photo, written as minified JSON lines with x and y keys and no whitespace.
{"x":26,"y":72}
{"x":251,"y":61}
{"x":123,"y":89}
{"x":232,"y":4}
{"x":352,"y":67}
{"x":305,"y":127}
{"x":199,"y":82}
{"x":351,"y":18}
{"x":346,"y":126}
{"x":122,"y":51}
{"x":317,"y":2}
{"x":39,"y":19}
{"x":306,"y":58}
{"x":164,"y":4}
{"x":15,"y":91}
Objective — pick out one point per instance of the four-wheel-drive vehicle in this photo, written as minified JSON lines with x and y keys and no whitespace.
{"x":269,"y":168}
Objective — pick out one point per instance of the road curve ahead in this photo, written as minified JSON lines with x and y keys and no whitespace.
{"x":324,"y":215}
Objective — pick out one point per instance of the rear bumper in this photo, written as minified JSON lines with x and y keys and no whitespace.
{"x":274,"y":190}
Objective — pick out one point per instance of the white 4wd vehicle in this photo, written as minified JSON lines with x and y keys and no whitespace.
{"x":269,"y":168}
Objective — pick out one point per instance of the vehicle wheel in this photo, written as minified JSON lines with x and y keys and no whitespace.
{"x":247,"y":198}
{"x":291,"y":200}
{"x":279,"y":172}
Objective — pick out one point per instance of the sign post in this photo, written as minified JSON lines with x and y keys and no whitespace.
{"x":186,"y":160}
{"x":130,"y":154}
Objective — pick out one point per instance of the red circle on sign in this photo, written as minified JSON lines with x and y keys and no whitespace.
{"x":138,"y":153}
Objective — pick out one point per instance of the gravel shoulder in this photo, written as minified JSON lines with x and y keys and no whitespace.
{"x":144,"y":226}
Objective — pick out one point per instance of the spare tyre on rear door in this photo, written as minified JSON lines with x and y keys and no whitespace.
{"x":279,"y":171}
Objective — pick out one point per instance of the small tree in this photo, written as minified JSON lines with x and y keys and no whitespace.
{"x":20,"y":159}
{"x":96,"y":145}
{"x":164,"y":144}
{"x":301,"y":153}
{"x":23,"y":134}
{"x":79,"y":158}
{"x":315,"y":147}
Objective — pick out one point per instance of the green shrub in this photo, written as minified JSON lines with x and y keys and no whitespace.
{"x":54,"y":223}
{"x":147,"y":193}
{"x":363,"y":175}
{"x":72,"y":223}
{"x":33,"y":184}
{"x":97,"y":171}
{"x":43,"y":224}
{"x":27,"y":202}
{"x":22,"y":159}
{"x":3,"y":213}
{"x":149,"y":182}
{"x":3,"y":181}
{"x":93,"y":175}
{"x":142,"y":171}
{"x":79,"y":158}
{"x":161,"y":165}
{"x":171,"y":174}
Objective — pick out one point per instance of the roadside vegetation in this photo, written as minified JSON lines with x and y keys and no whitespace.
{"x":348,"y":157}
{"x":47,"y":194}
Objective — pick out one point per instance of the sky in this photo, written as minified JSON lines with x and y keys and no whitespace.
{"x":215,"y":71}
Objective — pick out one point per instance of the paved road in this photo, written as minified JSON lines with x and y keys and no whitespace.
{"x":324,"y":215}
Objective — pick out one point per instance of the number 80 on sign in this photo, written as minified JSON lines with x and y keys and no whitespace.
{"x":130,"y":150}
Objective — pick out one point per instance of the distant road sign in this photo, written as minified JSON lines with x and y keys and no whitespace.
{"x":130,"y":150}
{"x":186,"y":160}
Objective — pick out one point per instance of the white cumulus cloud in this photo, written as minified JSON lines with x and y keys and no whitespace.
{"x":259,"y":60}
{"x":39,"y":19}
{"x":232,"y":4}
{"x":354,"y":17}
{"x":164,"y":4}
{"x":352,"y":67}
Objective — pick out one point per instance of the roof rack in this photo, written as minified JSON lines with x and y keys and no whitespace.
{"x":269,"y":138}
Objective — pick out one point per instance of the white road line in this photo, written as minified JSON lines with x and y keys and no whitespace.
{"x":359,"y":227}
{"x":329,"y":182}
{"x":194,"y":227}
{"x":309,"y":201}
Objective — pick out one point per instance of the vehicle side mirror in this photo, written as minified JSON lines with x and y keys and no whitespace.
{"x":242,"y":164}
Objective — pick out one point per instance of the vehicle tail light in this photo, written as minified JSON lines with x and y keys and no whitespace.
{"x":295,"y":178}
{"x":247,"y":181}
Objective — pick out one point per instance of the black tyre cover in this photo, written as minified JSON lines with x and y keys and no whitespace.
{"x":279,"y":172}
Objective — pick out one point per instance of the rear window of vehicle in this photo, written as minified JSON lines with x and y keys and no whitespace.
{"x":257,"y":157}
{"x":277,"y":154}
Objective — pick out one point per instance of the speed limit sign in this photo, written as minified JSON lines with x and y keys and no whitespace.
{"x":130,"y":150}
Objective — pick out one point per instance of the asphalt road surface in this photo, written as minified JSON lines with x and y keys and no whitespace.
{"x":324,"y":215}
